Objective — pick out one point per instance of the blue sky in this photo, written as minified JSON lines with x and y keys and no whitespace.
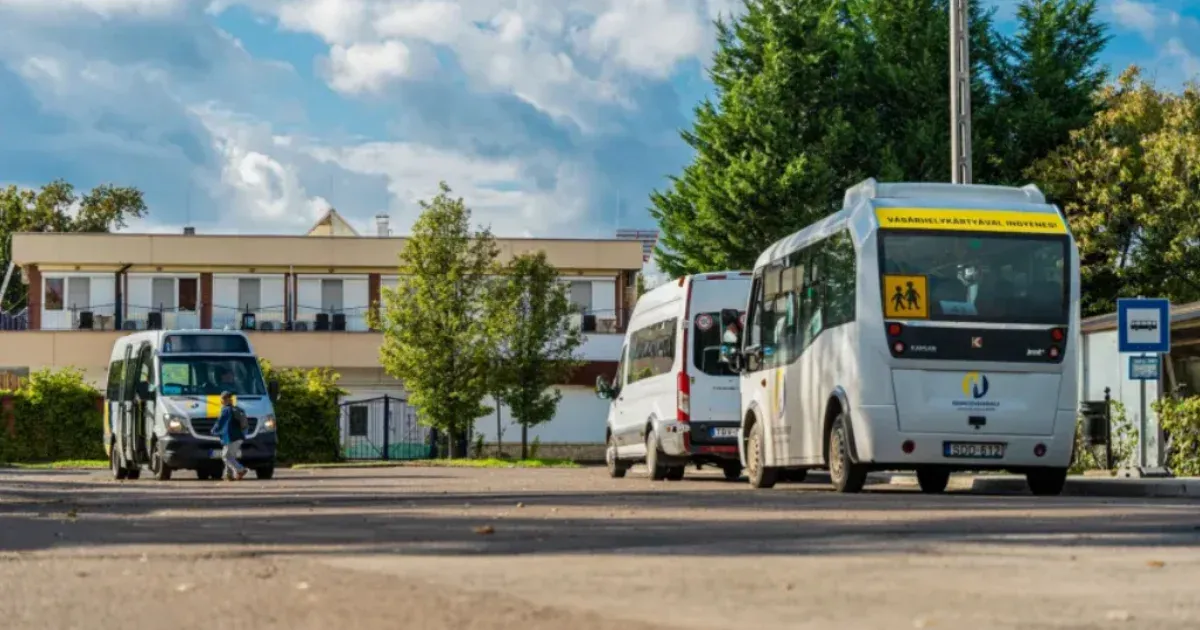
{"x":551,"y":117}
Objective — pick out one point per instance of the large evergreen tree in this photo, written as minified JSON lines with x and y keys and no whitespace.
{"x":813,"y":97}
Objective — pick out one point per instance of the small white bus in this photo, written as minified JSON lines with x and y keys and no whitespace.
{"x":926,"y":327}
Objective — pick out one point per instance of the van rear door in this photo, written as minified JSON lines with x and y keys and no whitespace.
{"x":714,"y":388}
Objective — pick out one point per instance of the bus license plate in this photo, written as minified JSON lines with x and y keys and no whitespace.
{"x":976,"y":450}
{"x":725,"y":432}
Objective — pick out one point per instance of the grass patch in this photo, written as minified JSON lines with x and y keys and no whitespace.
{"x":450,"y":463}
{"x":67,"y":464}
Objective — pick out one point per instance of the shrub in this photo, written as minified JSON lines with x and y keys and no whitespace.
{"x":56,"y":416}
{"x":1124,"y":443}
{"x":1180,"y":421}
{"x":307,"y":414}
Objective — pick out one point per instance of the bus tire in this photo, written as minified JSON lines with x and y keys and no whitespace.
{"x":658,"y":472}
{"x":760,"y":475}
{"x":119,"y":471}
{"x":616,"y":467}
{"x":1046,"y":482}
{"x":847,"y":477}
{"x":933,"y":480}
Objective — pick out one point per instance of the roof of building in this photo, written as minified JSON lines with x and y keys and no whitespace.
{"x":332,"y":224}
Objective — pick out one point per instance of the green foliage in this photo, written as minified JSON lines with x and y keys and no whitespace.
{"x":813,"y":97}
{"x":536,"y":341}
{"x":1124,"y":447}
{"x":534,"y":448}
{"x":106,"y":207}
{"x":477,"y":451}
{"x":1127,"y":182}
{"x":438,"y":337}
{"x":1180,"y":421}
{"x":56,"y":416}
{"x":307,"y":413}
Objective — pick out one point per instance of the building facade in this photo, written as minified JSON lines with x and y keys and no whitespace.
{"x":303,"y":300}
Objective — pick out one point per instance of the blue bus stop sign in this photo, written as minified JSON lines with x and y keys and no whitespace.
{"x":1144,"y":325}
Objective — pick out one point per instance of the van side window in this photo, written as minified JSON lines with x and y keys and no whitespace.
{"x":116,"y":377}
{"x":618,"y":379}
{"x":652,"y":350}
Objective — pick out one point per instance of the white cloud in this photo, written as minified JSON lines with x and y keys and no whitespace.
{"x":1140,"y":16}
{"x":648,"y":37}
{"x":105,"y":8}
{"x":1177,"y":52}
{"x":361,"y":68}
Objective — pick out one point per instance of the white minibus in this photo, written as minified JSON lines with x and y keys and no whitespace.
{"x":926,"y":327}
{"x":674,"y":401}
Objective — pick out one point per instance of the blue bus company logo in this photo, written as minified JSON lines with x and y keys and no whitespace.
{"x":975,"y":388}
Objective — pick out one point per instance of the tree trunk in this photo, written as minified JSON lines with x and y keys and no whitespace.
{"x":524,"y":442}
{"x":452,"y":444}
{"x":499,"y":444}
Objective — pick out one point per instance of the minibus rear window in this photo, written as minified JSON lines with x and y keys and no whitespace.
{"x":222,"y":344}
{"x":706,"y":349}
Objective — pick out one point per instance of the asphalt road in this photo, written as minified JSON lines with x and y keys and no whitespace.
{"x":571,"y":549}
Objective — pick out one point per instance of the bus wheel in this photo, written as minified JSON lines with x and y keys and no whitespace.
{"x":847,"y":476}
{"x":616,"y":467}
{"x":119,"y":471}
{"x":658,"y":472}
{"x":760,"y":475}
{"x":933,"y":480}
{"x":1046,"y":482}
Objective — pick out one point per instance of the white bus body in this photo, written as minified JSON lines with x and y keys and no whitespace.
{"x":674,"y":401}
{"x":964,"y":360}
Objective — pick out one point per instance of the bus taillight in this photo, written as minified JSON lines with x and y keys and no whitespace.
{"x":898,"y":347}
{"x":1058,"y":334}
{"x":894,"y":329}
{"x":1053,"y":352}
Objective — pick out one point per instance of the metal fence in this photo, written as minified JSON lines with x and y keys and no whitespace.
{"x":383,"y":428}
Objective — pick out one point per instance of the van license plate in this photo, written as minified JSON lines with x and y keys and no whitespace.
{"x":725,"y":432}
{"x":976,"y":450}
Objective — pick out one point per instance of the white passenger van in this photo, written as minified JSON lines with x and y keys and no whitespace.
{"x":674,"y":401}
{"x":927,"y":327}
{"x":163,"y":398}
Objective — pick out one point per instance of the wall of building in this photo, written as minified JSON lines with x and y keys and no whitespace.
{"x":1101,"y":365}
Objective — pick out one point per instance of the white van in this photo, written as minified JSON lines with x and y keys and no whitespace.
{"x":674,"y":402}
{"x":163,"y":398}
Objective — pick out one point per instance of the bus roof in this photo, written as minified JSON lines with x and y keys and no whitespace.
{"x":155,"y":339}
{"x":861,"y":200}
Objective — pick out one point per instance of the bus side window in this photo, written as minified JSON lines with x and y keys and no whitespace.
{"x":752,"y":337}
{"x":116,"y":377}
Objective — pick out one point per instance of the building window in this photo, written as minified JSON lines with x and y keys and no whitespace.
{"x":581,"y":296}
{"x":54,"y":294}
{"x":331,"y":296}
{"x":162,"y":293}
{"x":188,"y":290}
{"x":79,"y":294}
{"x":249,"y":294}
{"x":358,"y":421}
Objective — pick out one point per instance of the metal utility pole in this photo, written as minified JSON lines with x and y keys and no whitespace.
{"x":960,"y":92}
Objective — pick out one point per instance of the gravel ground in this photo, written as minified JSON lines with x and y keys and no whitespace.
{"x":531,"y":549}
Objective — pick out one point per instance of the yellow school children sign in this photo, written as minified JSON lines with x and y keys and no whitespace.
{"x":905,"y":297}
{"x":970,"y":220}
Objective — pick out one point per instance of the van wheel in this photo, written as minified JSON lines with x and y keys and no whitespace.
{"x":733,"y":472}
{"x":658,"y":472}
{"x":119,"y":471}
{"x":760,"y":475}
{"x":933,"y":480}
{"x":1046,"y":482}
{"x":162,"y":472}
{"x":675,"y":473}
{"x":847,"y":476}
{"x":616,"y":467}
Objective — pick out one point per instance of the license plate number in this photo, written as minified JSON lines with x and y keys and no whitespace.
{"x":725,"y":432}
{"x":977,"y":450}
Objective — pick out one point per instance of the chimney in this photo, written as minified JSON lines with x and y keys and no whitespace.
{"x":189,"y":231}
{"x":381,"y":225}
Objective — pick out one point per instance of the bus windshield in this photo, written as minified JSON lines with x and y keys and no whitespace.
{"x":1008,"y":279}
{"x":210,"y":375}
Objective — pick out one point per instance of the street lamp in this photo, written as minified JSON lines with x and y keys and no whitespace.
{"x":960,"y":92}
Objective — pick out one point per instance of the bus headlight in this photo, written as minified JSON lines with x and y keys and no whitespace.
{"x":175,"y":424}
{"x":268,"y":423}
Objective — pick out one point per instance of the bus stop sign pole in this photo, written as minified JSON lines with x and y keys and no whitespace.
{"x":1144,"y":333}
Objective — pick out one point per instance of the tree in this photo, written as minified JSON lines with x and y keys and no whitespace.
{"x":813,"y":97}
{"x":56,"y":208}
{"x":1129,"y":183}
{"x":538,"y":344}
{"x":438,"y":337}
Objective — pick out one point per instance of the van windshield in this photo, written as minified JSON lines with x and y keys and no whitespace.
{"x":706,"y":349}
{"x":997,"y":278}
{"x":209,"y":376}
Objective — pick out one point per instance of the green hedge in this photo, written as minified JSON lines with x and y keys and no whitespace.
{"x":1180,"y":420}
{"x":1124,"y":443}
{"x":56,"y":416}
{"x":307,"y":414}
